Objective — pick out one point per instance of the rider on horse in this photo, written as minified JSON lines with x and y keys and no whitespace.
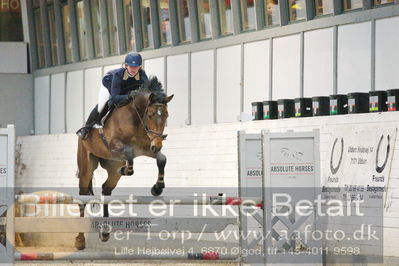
{"x":115,"y":89}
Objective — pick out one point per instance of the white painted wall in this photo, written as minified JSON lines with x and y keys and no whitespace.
{"x":228,"y":78}
{"x":354,"y":58}
{"x":74,"y":101}
{"x":93,"y":81}
{"x":386,"y":54}
{"x":57,"y":104}
{"x":156,"y":67}
{"x":111,"y":67}
{"x":178,"y":85}
{"x":14,"y":57}
{"x":201,"y":156}
{"x":42,"y":104}
{"x":256,"y":73}
{"x":318,"y":63}
{"x":202,"y":87}
{"x":286,"y":67}
{"x":17,"y":89}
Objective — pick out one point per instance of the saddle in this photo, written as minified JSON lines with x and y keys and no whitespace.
{"x":105,"y":113}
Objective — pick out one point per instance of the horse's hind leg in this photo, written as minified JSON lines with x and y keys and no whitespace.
{"x":108,"y":186}
{"x":157,"y":189}
{"x":86,"y":164}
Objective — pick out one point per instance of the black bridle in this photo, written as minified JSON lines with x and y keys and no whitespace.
{"x":143,"y":122}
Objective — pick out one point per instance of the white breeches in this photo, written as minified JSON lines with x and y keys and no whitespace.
{"x":103,"y":97}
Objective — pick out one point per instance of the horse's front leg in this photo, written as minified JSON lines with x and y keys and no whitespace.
{"x":157,"y":189}
{"x":128,"y":168}
{"x":107,"y":188}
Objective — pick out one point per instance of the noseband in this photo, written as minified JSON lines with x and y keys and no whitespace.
{"x":144,"y":124}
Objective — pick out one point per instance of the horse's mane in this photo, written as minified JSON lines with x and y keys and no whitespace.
{"x":152,"y":85}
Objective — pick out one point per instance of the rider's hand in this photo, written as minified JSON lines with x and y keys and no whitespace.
{"x":124,"y":101}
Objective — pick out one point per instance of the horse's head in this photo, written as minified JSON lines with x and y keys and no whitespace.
{"x":155,"y":119}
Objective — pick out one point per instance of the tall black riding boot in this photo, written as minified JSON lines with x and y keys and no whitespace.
{"x":91,"y":121}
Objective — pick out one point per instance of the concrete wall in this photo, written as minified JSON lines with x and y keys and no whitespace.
{"x":15,"y":54}
{"x":318,"y":51}
{"x":16,"y":102}
{"x":286,"y":67}
{"x":178,"y":84}
{"x":354,"y":58}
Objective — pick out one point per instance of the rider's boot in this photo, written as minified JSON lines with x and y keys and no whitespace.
{"x":84,"y":131}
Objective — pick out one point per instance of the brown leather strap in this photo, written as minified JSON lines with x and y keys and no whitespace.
{"x":101,"y":131}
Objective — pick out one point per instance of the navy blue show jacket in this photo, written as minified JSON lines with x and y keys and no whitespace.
{"x":120,"y":84}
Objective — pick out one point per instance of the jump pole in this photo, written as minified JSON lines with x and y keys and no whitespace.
{"x":121,"y":224}
{"x":114,"y":256}
{"x":138,"y":200}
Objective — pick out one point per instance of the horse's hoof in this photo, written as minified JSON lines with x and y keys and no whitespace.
{"x":104,"y":237}
{"x":122,"y":171}
{"x":80,"y":243}
{"x":125,"y":171}
{"x":156,"y":190}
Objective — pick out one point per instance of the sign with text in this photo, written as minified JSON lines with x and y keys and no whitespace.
{"x":292,"y":162}
{"x":10,"y":6}
{"x":3,"y":156}
{"x":359,"y":160}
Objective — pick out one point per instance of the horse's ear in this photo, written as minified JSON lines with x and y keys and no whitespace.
{"x":151,"y":98}
{"x":169,"y":98}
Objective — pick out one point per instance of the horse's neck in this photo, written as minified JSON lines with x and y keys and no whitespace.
{"x":130,"y":114}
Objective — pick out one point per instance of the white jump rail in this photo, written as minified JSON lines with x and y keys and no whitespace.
{"x":121,"y":224}
{"x":137,"y":200}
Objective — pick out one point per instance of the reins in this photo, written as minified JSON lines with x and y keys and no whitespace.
{"x":143,"y":123}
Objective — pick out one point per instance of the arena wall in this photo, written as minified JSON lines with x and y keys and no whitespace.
{"x":202,"y":156}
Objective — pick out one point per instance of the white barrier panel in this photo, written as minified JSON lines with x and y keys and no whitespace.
{"x":7,"y":162}
{"x":291,"y":163}
{"x":250,"y":184}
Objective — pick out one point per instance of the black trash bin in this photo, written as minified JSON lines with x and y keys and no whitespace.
{"x":338,"y":104}
{"x":303,"y":107}
{"x":358,"y":102}
{"x":257,"y":111}
{"x":377,"y":101}
{"x":270,"y":110}
{"x":286,"y":108}
{"x":393,"y":100}
{"x":321,"y":105}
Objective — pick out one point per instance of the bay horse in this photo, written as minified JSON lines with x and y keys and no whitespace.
{"x":135,"y":129}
